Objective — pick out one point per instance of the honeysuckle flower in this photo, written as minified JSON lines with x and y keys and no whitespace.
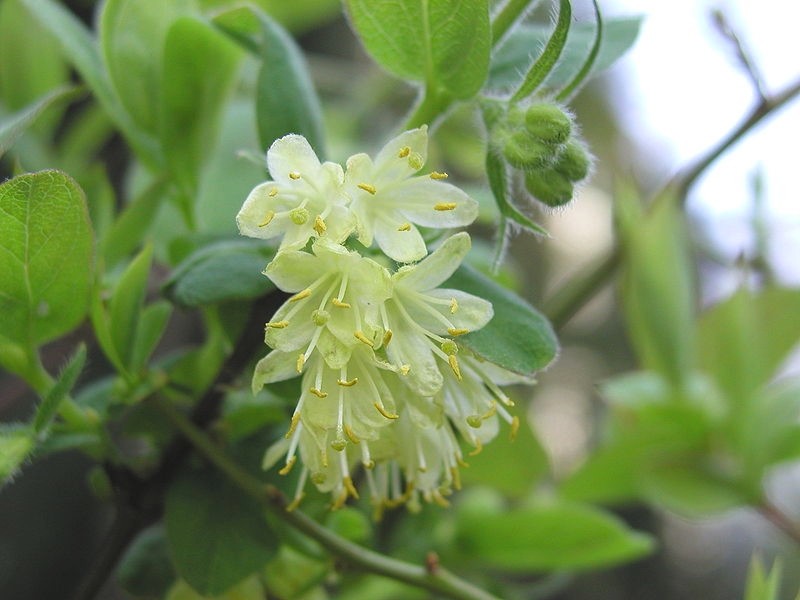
{"x":304,"y":199}
{"x":388,"y":200}
{"x":336,"y":291}
{"x":421,"y":319}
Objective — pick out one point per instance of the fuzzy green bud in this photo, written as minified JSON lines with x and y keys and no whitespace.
{"x":523,"y":151}
{"x":574,"y":162}
{"x":549,"y":186}
{"x":548,"y":123}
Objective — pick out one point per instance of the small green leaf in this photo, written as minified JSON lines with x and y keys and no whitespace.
{"x":761,"y":585}
{"x":549,"y":57}
{"x":292,"y":574}
{"x":445,"y":44}
{"x":692,"y":490}
{"x":497,"y":175}
{"x":62,"y":387}
{"x":126,"y":303}
{"x":152,"y":322}
{"x":249,"y":589}
{"x":16,"y":443}
{"x":548,"y":537}
{"x":45,"y":257}
{"x":518,"y":338}
{"x":217,"y":536}
{"x":586,"y":68}
{"x":225,"y":270}
{"x":15,"y":125}
{"x":199,"y":69}
{"x":351,"y":524}
{"x":146,"y":569}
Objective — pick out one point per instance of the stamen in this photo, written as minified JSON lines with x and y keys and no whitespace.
{"x":478,"y":447}
{"x":404,"y":151}
{"x":359,"y":335}
{"x":339,"y":502}
{"x":454,"y":365}
{"x":296,"y":502}
{"x":367,"y":188}
{"x":267,"y":218}
{"x":289,"y":464}
{"x":319,"y":225}
{"x":455,"y":331}
{"x":453,"y":306}
{"x":514,"y":428}
{"x":294,"y":175}
{"x":338,"y":303}
{"x":293,"y":425}
{"x":350,"y":383}
{"x":456,"y":475}
{"x":439,"y":499}
{"x":349,"y":433}
{"x":445,"y":206}
{"x":338,"y":444}
{"x":301,"y":361}
{"x":277,"y":324}
{"x":301,"y":295}
{"x":318,"y":393}
{"x":382,"y":410}
{"x":348,"y":485}
{"x":387,"y":337}
{"x":273,"y":192}
{"x":404,"y":227}
{"x":438,"y":175}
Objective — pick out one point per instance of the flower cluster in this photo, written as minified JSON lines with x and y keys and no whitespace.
{"x":385,"y":383}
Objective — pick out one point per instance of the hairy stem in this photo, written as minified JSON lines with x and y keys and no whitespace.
{"x":431,"y":577}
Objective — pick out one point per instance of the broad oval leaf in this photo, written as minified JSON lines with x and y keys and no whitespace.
{"x":226,"y":270}
{"x":445,"y":44}
{"x":518,"y":337}
{"x":217,"y":535}
{"x":46,"y":257}
{"x":549,"y":537}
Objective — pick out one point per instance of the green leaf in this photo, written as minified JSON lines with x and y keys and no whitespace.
{"x":296,"y":16}
{"x":45,"y":257}
{"x":152,"y":322}
{"x":249,"y":589}
{"x":125,"y":308}
{"x":511,"y":60}
{"x":657,"y":285}
{"x":199,"y":69}
{"x":60,"y":390}
{"x":445,"y":44}
{"x":292,"y":574}
{"x":586,"y":68}
{"x":549,"y":537}
{"x":518,"y":338}
{"x":217,"y":535}
{"x":761,"y":585}
{"x":16,"y":443}
{"x":512,"y":467}
{"x":132,"y":34}
{"x":15,"y":125}
{"x":739,"y":342}
{"x":145,"y":569}
{"x":225,"y":270}
{"x":549,"y":57}
{"x":691,"y":490}
{"x":80,"y":49}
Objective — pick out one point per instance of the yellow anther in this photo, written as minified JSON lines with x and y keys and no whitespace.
{"x":301,"y":361}
{"x":404,"y":151}
{"x":301,"y":295}
{"x":456,"y":475}
{"x":318,"y":393}
{"x":293,"y":425}
{"x":277,"y":324}
{"x":338,"y":303}
{"x":439,"y":499}
{"x":382,"y":410}
{"x":294,"y":175}
{"x":444,"y":206}
{"x":387,"y":337}
{"x":454,"y":331}
{"x":350,"y":383}
{"x":319,"y":225}
{"x":339,"y":502}
{"x":267,"y":218}
{"x":404,"y":369}
{"x":438,"y":175}
{"x":404,"y":227}
{"x":273,"y":192}
{"x":351,"y":434}
{"x":454,"y":365}
{"x":296,"y":502}
{"x":514,"y":428}
{"x":348,"y":485}
{"x":478,"y":448}
{"x":289,"y":464}
{"x":370,"y":189}
{"x":359,"y":335}
{"x":461,"y":462}
{"x":489,"y":413}
{"x":453,"y":306}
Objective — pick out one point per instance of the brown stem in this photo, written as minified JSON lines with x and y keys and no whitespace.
{"x":775,"y":516}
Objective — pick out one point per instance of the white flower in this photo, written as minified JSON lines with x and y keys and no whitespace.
{"x":305,"y":198}
{"x":388,"y":200}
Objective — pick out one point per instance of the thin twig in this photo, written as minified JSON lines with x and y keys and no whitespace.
{"x":775,"y":516}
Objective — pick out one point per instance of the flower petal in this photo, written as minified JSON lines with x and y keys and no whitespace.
{"x":275,"y":366}
{"x":292,"y":271}
{"x":291,"y":154}
{"x":425,"y":201}
{"x":438,"y":266}
{"x":409,"y":348}
{"x":471,"y":313}
{"x":403,"y":246}
{"x":254,"y":212}
{"x":392,"y":162}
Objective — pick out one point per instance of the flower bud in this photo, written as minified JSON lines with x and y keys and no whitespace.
{"x":523,"y":151}
{"x":574,"y":161}
{"x":549,"y":186}
{"x":548,"y":123}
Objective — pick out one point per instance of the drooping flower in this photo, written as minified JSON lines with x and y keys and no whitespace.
{"x":305,"y":198}
{"x":388,"y":199}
